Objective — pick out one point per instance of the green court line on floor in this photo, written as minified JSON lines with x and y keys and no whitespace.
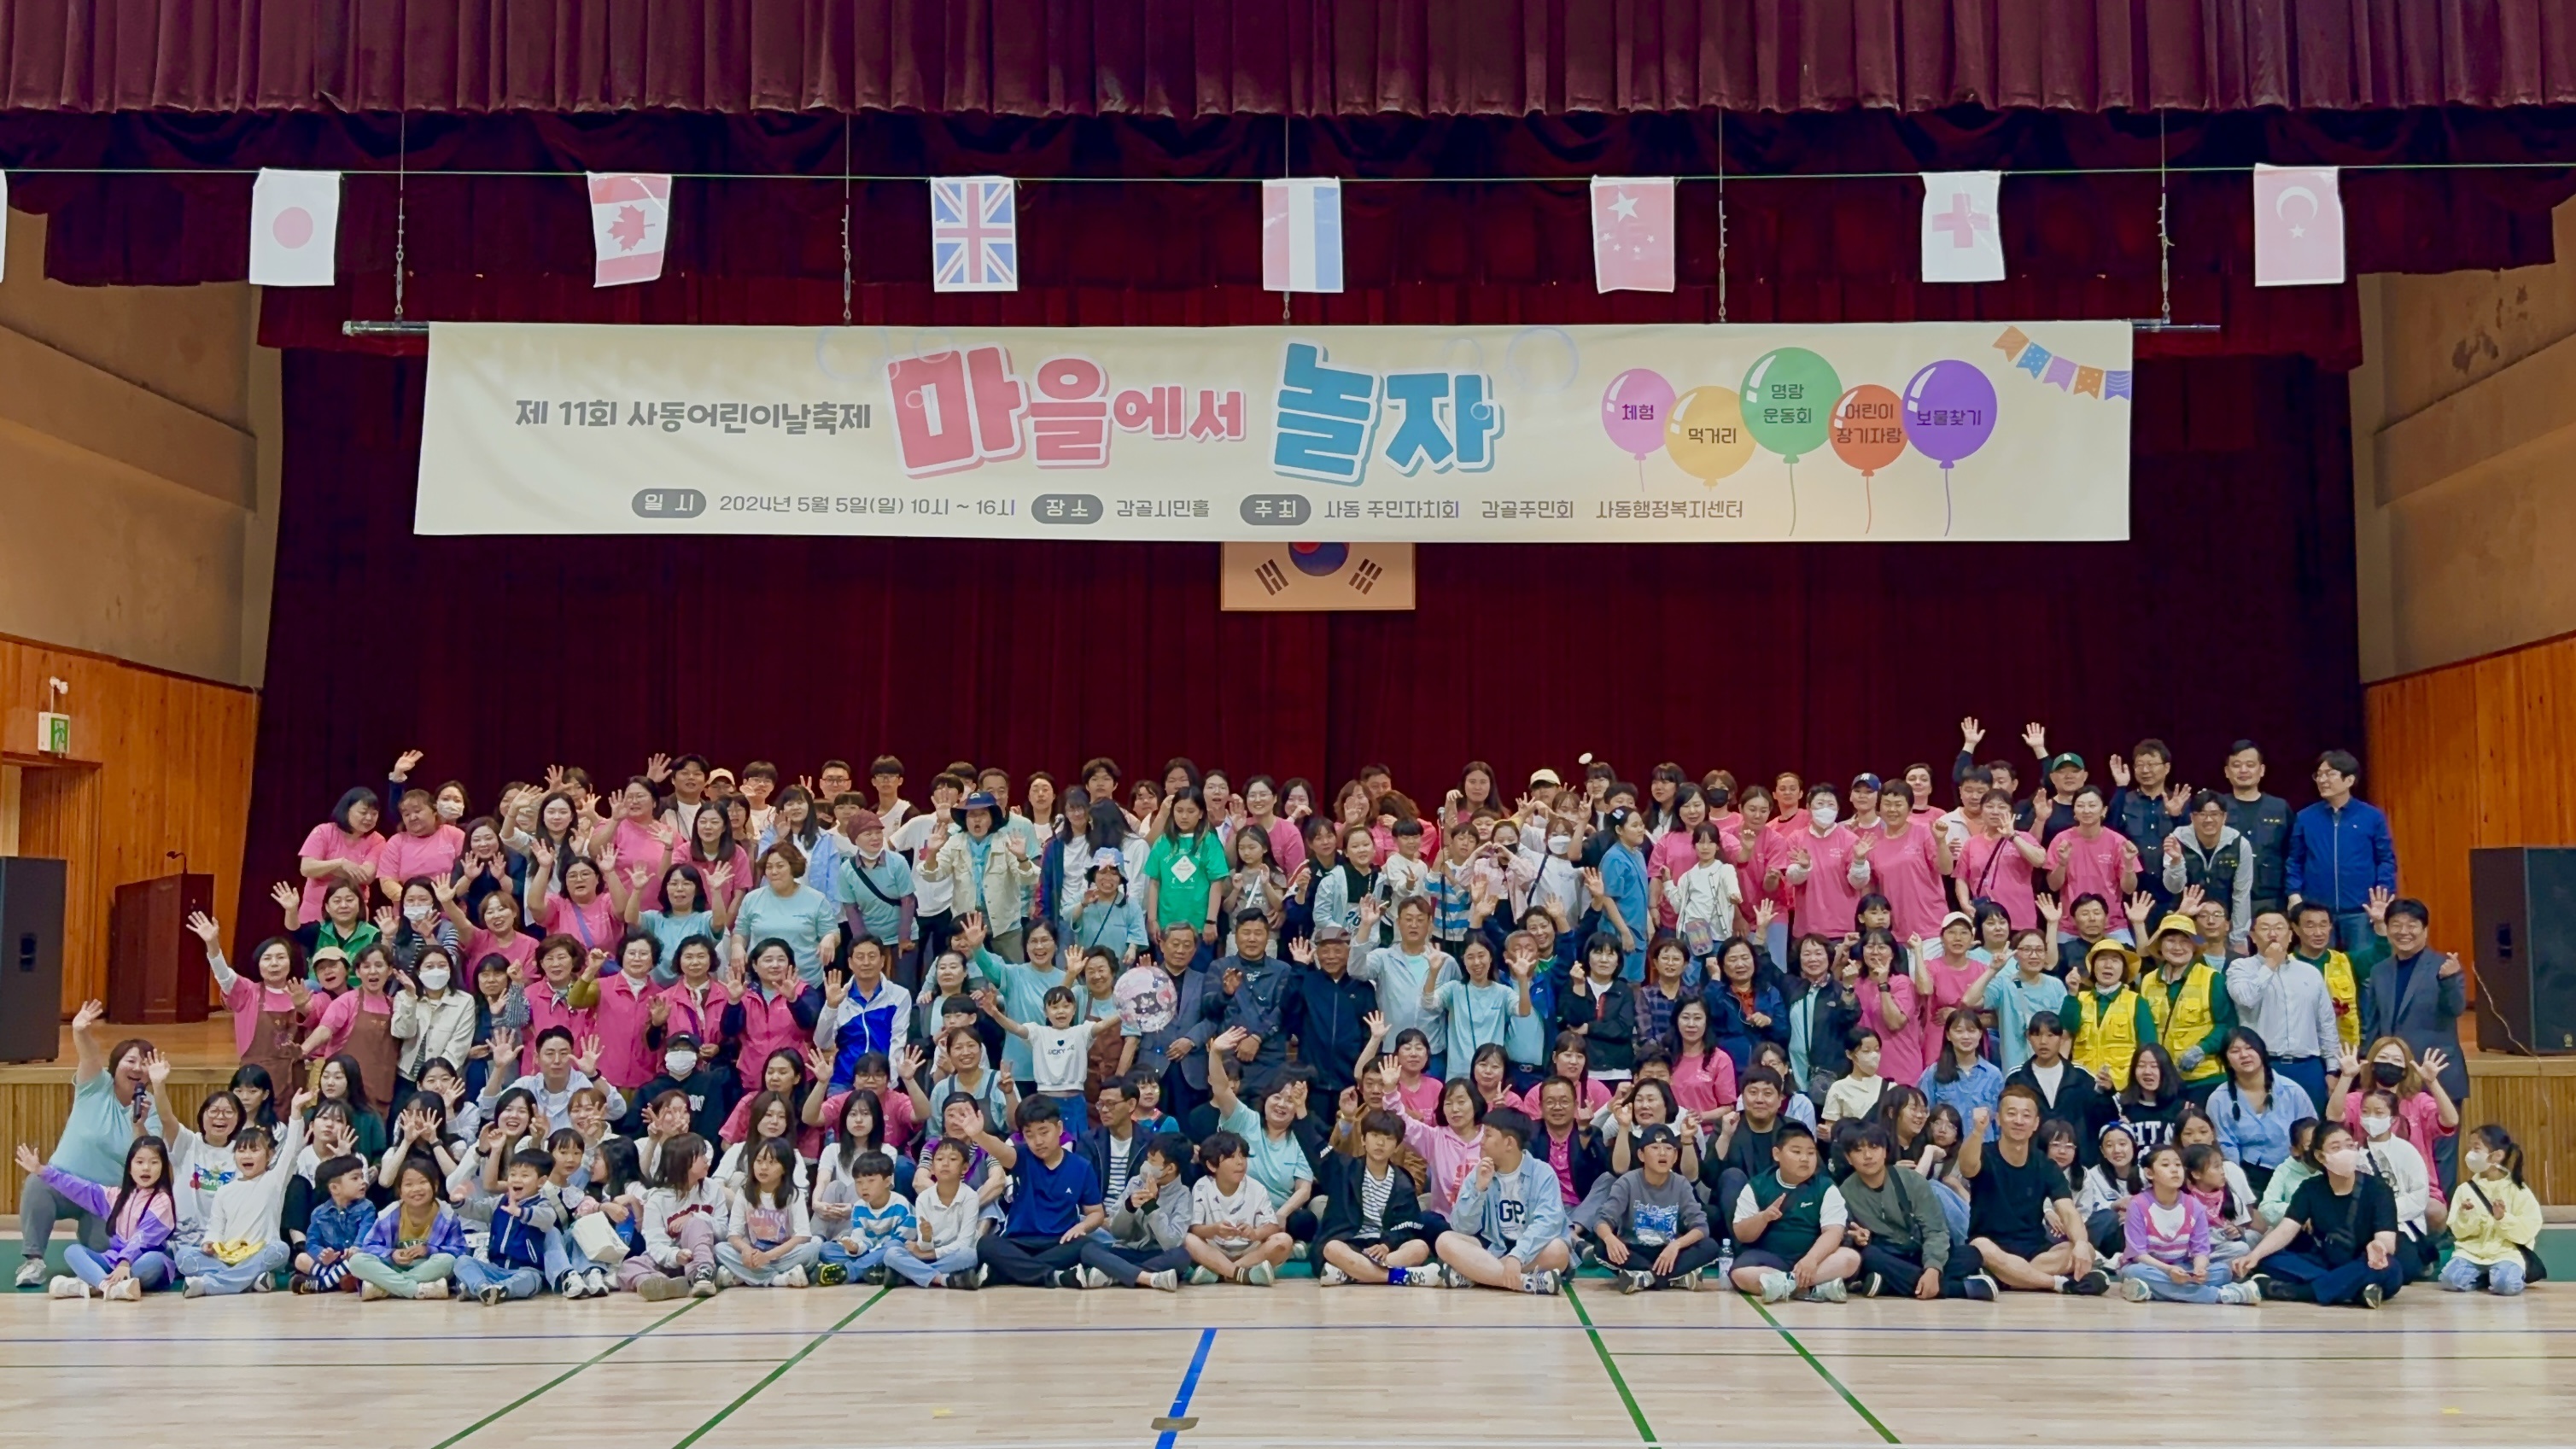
{"x":1823,"y":1372}
{"x":1645,"y":1431}
{"x":498,"y":1414}
{"x":774,"y":1375}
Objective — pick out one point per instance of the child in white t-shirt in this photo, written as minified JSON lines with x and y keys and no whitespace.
{"x":1234,"y":1228}
{"x":1060,"y":1052}
{"x":1705,"y":898}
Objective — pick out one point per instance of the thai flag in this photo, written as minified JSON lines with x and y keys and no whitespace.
{"x":1301,"y":235}
{"x":974,"y":235}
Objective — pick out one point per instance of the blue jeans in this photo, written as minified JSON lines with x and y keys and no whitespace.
{"x":2308,"y":1072}
{"x":918,"y":1271}
{"x":152,"y":1270}
{"x":2462,"y":1276}
{"x":802,"y":1255}
{"x":564,"y":1256}
{"x":204,"y":1268}
{"x":2336,"y":1285}
{"x":2351,"y":928}
{"x":1077,"y":1114}
{"x":474,"y":1275}
{"x":2166,"y":1290}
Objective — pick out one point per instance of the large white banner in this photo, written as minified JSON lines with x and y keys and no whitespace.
{"x":1963,"y":430}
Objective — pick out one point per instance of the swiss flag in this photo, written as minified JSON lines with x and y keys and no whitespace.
{"x":1632,"y":233}
{"x":2298,"y":226}
{"x":630,"y":217}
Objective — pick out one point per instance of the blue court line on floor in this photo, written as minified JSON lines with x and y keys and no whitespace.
{"x":1947,"y":1330}
{"x":1189,"y":1386}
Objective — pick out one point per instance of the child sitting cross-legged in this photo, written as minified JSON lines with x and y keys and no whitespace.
{"x":336,"y":1229}
{"x":1150,"y":1221}
{"x":1650,"y":1223}
{"x":140,"y":1217}
{"x":412,"y":1249}
{"x":769,"y":1240}
{"x":1234,"y":1231}
{"x":1790,"y":1222}
{"x":1372,"y":1227}
{"x":512,"y":1261}
{"x":877,"y":1221}
{"x":2168,"y":1241}
{"x":1511,"y":1215}
{"x":241,"y":1248}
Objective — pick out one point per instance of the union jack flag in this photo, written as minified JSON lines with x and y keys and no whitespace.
{"x":974,"y":235}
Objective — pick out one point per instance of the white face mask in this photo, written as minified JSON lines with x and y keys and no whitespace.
{"x":418,"y":914}
{"x":1559,"y":844}
{"x":451,"y":810}
{"x":2474,"y":1160}
{"x":679,"y":1064}
{"x":1823,"y":812}
{"x":433,"y":978}
{"x":2377,"y":1126}
{"x":2342,"y":1160}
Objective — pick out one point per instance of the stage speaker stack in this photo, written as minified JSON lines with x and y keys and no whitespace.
{"x":31,"y":959}
{"x":2524,"y":899}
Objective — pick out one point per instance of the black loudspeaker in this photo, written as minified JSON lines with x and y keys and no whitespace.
{"x":2524,"y":898}
{"x":31,"y":959}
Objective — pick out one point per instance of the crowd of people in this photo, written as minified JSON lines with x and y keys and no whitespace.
{"x":701,"y":1029}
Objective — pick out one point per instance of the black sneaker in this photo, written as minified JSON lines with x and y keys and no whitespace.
{"x":878,"y":1276}
{"x":968,"y":1281}
{"x":1870,"y":1284}
{"x":2093,"y":1284}
{"x":1980,"y":1287}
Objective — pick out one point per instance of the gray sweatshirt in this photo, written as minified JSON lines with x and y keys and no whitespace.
{"x":1648,"y":1215}
{"x":1161,"y":1224}
{"x":1902,"y":1215}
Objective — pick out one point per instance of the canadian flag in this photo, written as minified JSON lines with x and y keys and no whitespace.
{"x":630,"y":218}
{"x":294,"y":228}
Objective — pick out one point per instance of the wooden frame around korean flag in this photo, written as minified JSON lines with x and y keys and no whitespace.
{"x":1315,"y":577}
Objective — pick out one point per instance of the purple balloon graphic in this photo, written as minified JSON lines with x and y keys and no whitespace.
{"x":1634,"y":409}
{"x":1949,"y":411}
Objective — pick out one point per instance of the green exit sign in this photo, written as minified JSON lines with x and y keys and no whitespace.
{"x":54,"y":733}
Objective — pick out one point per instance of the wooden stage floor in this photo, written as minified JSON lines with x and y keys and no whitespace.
{"x":1298,"y":1364}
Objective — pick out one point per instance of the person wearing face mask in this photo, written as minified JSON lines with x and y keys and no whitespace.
{"x":1823,"y":870}
{"x":2415,"y":993}
{"x":2392,"y":1159}
{"x":2336,"y":1243}
{"x":708,"y":1084}
{"x":2426,"y":1115}
{"x":2495,"y":1221}
{"x":433,"y":1017}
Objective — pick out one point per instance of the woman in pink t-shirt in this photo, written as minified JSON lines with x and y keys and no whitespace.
{"x":583,"y":910}
{"x":1996,"y":862}
{"x":639,"y":835}
{"x":1946,"y":975}
{"x":423,"y":848}
{"x":2092,"y":860}
{"x":1703,"y":1076}
{"x":1907,"y":863}
{"x":342,"y":848}
{"x":711,"y":844}
{"x":1417,"y":1093}
{"x":498,"y":935}
{"x":1886,"y":989}
{"x":1675,"y":853}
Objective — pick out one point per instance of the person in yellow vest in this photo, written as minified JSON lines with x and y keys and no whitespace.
{"x":2315,"y":930}
{"x":2110,"y":1018}
{"x":2190,"y":1004}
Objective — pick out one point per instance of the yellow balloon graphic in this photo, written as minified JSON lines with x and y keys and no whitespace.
{"x":1706,"y":436}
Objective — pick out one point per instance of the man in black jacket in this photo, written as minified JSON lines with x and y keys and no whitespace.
{"x":1326,"y":1009}
{"x":2264,"y":821}
{"x":1113,"y":1147}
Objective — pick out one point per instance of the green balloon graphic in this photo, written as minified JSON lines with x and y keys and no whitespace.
{"x":1789,"y":401}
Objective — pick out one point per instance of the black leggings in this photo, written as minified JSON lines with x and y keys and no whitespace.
{"x":1641,"y":1256}
{"x":1902,"y":1270}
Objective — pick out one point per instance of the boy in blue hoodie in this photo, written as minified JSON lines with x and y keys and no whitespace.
{"x":513,"y":1259}
{"x":1510,"y":1216}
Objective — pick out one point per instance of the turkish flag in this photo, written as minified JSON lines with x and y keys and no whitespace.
{"x":2298,"y":226}
{"x":1632,"y":233}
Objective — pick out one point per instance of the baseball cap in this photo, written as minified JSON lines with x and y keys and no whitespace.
{"x":1331,"y":931}
{"x":1958,"y":918}
{"x":2068,"y":760}
{"x":1544,"y":776}
{"x":1867,"y":781}
{"x":1107,"y":858}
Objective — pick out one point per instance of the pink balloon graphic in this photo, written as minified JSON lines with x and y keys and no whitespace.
{"x":1634,"y":409}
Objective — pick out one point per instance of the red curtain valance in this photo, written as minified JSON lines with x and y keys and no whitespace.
{"x":1186,"y":58}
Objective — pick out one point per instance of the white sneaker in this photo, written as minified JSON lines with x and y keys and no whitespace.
{"x":572,"y":1286}
{"x":370,"y":1293}
{"x":1543,"y":1282}
{"x":1259,"y":1275}
{"x":196,"y":1289}
{"x":2137,"y":1291}
{"x":66,"y":1286}
{"x":1167,"y":1281}
{"x":31,"y":1273}
{"x":725,"y":1278}
{"x":124,"y":1290}
{"x":1086,"y":1276}
{"x":599,"y":1285}
{"x":1330,"y":1276}
{"x":1829,"y":1291}
{"x":792,"y":1278}
{"x":1777,"y":1286}
{"x":435,"y":1288}
{"x":2243,"y":1295}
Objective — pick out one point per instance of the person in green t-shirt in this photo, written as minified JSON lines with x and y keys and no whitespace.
{"x":1182,"y":873}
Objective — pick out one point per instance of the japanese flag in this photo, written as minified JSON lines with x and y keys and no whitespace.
{"x":294,"y":228}
{"x":630,"y":217}
{"x":1963,"y":237}
{"x":2298,"y":226}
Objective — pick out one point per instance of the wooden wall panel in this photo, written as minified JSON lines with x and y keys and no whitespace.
{"x":160,"y":763}
{"x":2535,"y":1100}
{"x":2472,"y":755}
{"x":34,"y":1111}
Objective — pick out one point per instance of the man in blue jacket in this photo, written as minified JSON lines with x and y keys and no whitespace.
{"x":2340,"y":849}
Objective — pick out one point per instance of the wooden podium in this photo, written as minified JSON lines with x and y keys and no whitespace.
{"x":156,"y":968}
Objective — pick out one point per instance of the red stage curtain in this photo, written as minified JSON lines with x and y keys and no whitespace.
{"x":2230,"y":612}
{"x":1809,"y":248}
{"x":1307,"y":57}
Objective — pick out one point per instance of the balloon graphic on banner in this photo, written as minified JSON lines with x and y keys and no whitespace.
{"x":1788,"y":401}
{"x":1949,"y":413}
{"x":1634,"y":408}
{"x":1867,"y":434}
{"x":1706,"y":436}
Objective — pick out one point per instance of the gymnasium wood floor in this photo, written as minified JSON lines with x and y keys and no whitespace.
{"x":1222,"y":1367}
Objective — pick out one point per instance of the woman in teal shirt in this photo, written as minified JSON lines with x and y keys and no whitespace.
{"x":684,"y":915}
{"x":788,"y":909}
{"x":1182,"y":873}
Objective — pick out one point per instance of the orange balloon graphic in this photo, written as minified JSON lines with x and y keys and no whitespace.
{"x":1868,"y":428}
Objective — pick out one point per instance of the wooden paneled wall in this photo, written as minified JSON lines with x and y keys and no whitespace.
{"x":159,"y":763}
{"x":2471,"y":755}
